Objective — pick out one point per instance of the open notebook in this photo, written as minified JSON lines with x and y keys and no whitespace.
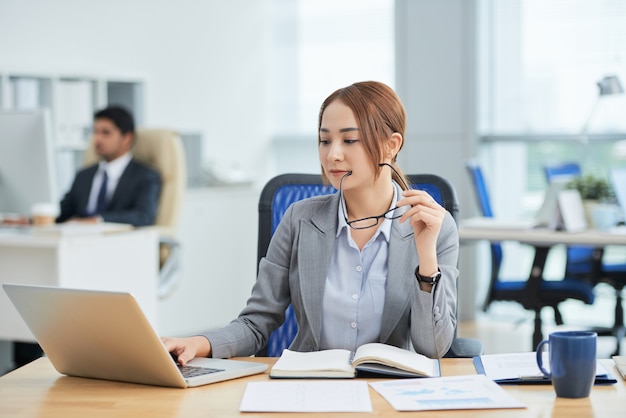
{"x":105,"y":335}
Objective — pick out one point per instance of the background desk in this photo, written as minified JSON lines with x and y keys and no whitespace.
{"x":542,"y":237}
{"x":120,"y":261}
{"x":37,"y":390}
{"x":542,"y":240}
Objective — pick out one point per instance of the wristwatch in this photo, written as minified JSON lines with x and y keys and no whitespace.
{"x":431,"y":280}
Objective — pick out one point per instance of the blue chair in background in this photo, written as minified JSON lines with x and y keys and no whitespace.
{"x":586,"y":263}
{"x":533,"y":293}
{"x":283,"y":190}
{"x":568,"y":169}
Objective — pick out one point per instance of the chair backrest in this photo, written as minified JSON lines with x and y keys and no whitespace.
{"x":161,"y":149}
{"x":283,"y":190}
{"x":481,"y":192}
{"x":567,"y":169}
{"x":480,"y":188}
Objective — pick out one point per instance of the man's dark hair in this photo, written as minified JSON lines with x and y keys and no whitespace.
{"x":120,"y":117}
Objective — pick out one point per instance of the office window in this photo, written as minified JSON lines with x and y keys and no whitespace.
{"x":322,"y":45}
{"x":539,"y":62}
{"x":538,"y":65}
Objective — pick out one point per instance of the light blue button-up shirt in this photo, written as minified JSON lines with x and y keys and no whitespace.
{"x":354,"y":294}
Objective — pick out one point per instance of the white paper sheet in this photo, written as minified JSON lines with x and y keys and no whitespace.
{"x":443,"y":393}
{"x":520,"y":365}
{"x":306,"y":396}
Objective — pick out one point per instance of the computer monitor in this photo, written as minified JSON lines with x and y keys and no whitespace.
{"x":618,"y":182}
{"x":27,"y":164}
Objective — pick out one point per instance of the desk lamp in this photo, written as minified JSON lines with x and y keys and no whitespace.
{"x":607,"y":86}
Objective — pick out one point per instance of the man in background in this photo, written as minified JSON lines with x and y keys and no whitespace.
{"x":116,"y":189}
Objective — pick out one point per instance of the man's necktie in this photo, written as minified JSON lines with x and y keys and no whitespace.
{"x":102,"y":195}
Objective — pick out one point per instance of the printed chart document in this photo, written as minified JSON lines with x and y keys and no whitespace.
{"x":522,"y":368}
{"x":306,"y":396}
{"x":451,"y":392}
{"x":373,"y":358}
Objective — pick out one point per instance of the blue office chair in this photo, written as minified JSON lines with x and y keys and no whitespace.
{"x":585,"y":263}
{"x":285,"y":189}
{"x":533,"y":293}
{"x":568,"y":169}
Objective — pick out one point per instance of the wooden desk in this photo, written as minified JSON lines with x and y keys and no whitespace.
{"x":120,"y":261}
{"x":37,"y":390}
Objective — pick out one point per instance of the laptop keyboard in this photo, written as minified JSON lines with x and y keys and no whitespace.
{"x":191,"y":371}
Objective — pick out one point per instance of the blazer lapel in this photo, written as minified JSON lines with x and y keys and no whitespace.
{"x":315,"y":246}
{"x":124,"y":186}
{"x":400,"y":282}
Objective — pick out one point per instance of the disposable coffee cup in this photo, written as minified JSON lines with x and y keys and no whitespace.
{"x":44,"y":214}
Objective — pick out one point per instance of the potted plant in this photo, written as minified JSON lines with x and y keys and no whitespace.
{"x":594,"y":191}
{"x":592,"y":188}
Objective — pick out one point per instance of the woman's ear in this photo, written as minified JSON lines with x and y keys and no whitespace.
{"x":393,"y":145}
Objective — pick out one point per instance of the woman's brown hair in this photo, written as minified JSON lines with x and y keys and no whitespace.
{"x":379,"y":113}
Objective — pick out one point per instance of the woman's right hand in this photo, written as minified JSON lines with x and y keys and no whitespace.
{"x":186,"y":349}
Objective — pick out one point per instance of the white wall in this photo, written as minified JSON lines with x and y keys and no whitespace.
{"x":204,"y":64}
{"x":203,"y":61}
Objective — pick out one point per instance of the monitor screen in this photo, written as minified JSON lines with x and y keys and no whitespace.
{"x":618,"y":182}
{"x":27,"y":170}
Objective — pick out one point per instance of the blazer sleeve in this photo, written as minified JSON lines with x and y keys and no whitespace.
{"x":74,"y":202}
{"x":433,"y":315}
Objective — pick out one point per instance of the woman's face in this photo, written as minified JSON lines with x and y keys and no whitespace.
{"x":341,"y":149}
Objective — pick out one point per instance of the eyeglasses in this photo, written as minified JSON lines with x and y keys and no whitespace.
{"x":370,"y":221}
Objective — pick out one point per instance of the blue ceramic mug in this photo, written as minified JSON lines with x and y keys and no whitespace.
{"x":572,"y":357}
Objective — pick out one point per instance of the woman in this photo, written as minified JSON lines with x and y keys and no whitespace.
{"x":375,"y":262}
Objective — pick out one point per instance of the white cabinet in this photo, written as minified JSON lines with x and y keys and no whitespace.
{"x":72,"y":101}
{"x":76,"y":261}
{"x":218,"y":235}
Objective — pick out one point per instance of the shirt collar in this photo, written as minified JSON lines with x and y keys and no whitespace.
{"x":384,"y":229}
{"x":116,"y":167}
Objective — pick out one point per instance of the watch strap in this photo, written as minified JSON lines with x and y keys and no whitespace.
{"x":431,"y":280}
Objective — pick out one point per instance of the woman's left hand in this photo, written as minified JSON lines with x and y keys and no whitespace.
{"x":425,"y":215}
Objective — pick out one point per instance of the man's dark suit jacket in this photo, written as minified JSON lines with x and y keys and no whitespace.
{"x":134,"y":201}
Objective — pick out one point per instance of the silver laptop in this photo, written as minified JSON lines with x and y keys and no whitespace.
{"x":105,"y":335}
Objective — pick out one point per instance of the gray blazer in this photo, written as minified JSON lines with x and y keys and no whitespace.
{"x":294,"y":271}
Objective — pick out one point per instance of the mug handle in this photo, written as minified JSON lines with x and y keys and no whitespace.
{"x":540,"y":359}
